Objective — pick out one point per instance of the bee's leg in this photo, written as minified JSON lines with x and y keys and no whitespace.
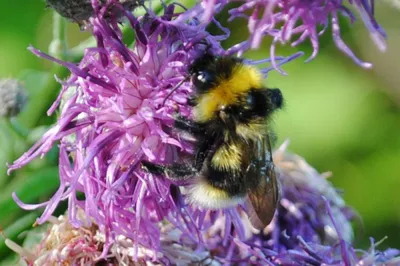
{"x":188,"y":125}
{"x":205,"y":147}
{"x":176,"y":172}
{"x":191,"y":101}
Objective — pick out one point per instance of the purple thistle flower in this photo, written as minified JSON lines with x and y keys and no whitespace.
{"x":115,"y":117}
{"x":312,"y":227}
{"x":283,"y":20}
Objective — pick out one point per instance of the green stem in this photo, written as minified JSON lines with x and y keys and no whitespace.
{"x":39,"y":104}
{"x":76,"y":53}
{"x":58,"y":46}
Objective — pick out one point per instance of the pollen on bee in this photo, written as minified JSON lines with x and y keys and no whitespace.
{"x":227,"y":158}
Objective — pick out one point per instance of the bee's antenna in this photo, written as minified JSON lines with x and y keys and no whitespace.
{"x":175,"y":88}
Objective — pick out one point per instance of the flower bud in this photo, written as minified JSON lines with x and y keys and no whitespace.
{"x":80,"y":11}
{"x":13,"y":97}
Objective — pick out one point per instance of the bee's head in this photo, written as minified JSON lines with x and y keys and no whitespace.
{"x":231,"y":92}
{"x":203,"y":73}
{"x":209,"y":71}
{"x":254,"y":105}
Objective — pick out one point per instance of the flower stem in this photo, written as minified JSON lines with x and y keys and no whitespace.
{"x":58,"y":46}
{"x":39,"y":104}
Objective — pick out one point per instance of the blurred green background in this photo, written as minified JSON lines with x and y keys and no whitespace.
{"x":340,"y":117}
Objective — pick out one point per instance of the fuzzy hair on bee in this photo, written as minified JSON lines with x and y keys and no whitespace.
{"x":230,"y":122}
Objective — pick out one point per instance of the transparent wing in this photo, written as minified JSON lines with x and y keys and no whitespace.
{"x":263,"y":198}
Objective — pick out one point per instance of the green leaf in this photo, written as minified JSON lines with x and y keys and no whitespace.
{"x":32,"y":237}
{"x":45,"y":93}
{"x":14,"y":230}
{"x":11,"y":146}
{"x":33,"y":80}
{"x":29,"y":189}
{"x":11,"y":259}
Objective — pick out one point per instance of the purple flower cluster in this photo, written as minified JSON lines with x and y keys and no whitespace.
{"x":112,"y":117}
{"x":312,"y":227}
{"x":294,"y":21}
{"x":286,"y":20}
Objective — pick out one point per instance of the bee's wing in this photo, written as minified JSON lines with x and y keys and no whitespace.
{"x":263,"y":198}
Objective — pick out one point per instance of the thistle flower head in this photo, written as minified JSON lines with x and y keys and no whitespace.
{"x":13,"y":97}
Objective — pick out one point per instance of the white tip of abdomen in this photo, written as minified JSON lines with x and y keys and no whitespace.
{"x":204,"y":195}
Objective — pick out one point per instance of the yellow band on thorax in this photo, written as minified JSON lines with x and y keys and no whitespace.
{"x":227,"y":92}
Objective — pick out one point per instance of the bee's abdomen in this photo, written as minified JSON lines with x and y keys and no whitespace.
{"x":229,"y":181}
{"x":227,"y":157}
{"x":224,"y":169}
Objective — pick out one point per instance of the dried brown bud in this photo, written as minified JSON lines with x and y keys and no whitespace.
{"x":80,"y":11}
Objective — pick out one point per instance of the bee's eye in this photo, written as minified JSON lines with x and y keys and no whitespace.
{"x":203,"y":77}
{"x":202,"y":80}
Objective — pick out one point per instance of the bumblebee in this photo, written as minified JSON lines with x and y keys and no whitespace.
{"x":232,"y":163}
